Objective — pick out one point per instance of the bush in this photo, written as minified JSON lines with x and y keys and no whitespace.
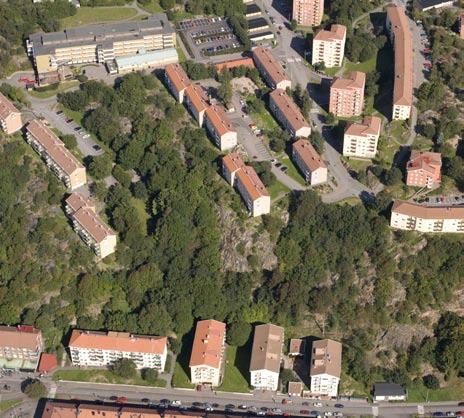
{"x":150,"y":375}
{"x":100,"y":166}
{"x":69,"y":141}
{"x":238,"y":333}
{"x":34,"y":388}
{"x":125,"y":368}
{"x":122,"y":176}
{"x":431,"y":382}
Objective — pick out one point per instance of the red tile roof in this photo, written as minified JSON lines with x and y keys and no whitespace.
{"x":428,"y":212}
{"x":354,"y":80}
{"x":21,"y":336}
{"x":77,"y":200}
{"x":369,"y":126}
{"x":197,"y":96}
{"x":178,"y":76}
{"x":247,"y":62}
{"x":93,"y":224}
{"x":6,"y":107}
{"x":273,"y":68}
{"x":308,"y":154}
{"x":252,"y":183}
{"x":289,"y":109}
{"x":336,"y":33}
{"x":47,"y":363}
{"x":427,"y":161}
{"x":233,"y":162}
{"x":208,"y":344}
{"x":219,"y":119}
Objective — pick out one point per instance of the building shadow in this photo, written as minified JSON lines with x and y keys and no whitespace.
{"x":183,"y":357}
{"x":319,"y":93}
{"x":243,"y":357}
{"x":301,"y":365}
{"x":283,"y":7}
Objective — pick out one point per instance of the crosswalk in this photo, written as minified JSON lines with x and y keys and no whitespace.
{"x":375,"y":411}
{"x":420,"y":409}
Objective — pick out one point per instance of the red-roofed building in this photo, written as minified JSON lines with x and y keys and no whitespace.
{"x":361,"y":139}
{"x":424,"y":169}
{"x":220,"y":127}
{"x":347,"y":95}
{"x":329,"y":46}
{"x":246,"y":62}
{"x":197,"y":102}
{"x":20,"y":347}
{"x":208,"y":353}
{"x":309,"y":162}
{"x":177,"y":80}
{"x":47,"y":363}
{"x":10,"y":117}
{"x":270,"y":69}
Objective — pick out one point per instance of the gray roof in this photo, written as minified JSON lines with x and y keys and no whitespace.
{"x":388,"y":389}
{"x":104,"y":34}
{"x":424,"y":4}
{"x":259,"y":22}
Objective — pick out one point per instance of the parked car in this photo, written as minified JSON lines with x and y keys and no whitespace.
{"x":229,"y":406}
{"x":145,"y":400}
{"x":121,"y":399}
{"x":60,"y":112}
{"x":176,"y":403}
{"x":69,"y":120}
{"x":339,"y":405}
{"x":317,"y":404}
{"x":304,"y":412}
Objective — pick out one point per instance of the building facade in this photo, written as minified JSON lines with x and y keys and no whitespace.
{"x":144,"y":60}
{"x":176,"y":80}
{"x":401,"y":38}
{"x":266,"y":356}
{"x":308,"y":12}
{"x":20,"y":347}
{"x":360,"y":140}
{"x":309,"y":162}
{"x":270,"y":69}
{"x":10,"y":117}
{"x":347,"y":95}
{"x":220,"y":128}
{"x":434,"y":219}
{"x":53,"y":151}
{"x":326,"y":367}
{"x":208,"y":353}
{"x":98,"y":349}
{"x":288,"y":114}
{"x":197,"y":102}
{"x":423,"y":169}
{"x":329,"y":46}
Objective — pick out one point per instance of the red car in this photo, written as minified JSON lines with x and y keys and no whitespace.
{"x":304,"y":412}
{"x":460,"y":413}
{"x":427,"y":65}
{"x":121,"y":399}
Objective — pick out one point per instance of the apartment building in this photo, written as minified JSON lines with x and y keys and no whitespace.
{"x":461,"y":25}
{"x":220,"y":127}
{"x":361,"y":139}
{"x":329,"y":46}
{"x":99,"y":43}
{"x":98,"y":236}
{"x":427,"y":5}
{"x":247,"y":182}
{"x":59,"y":159}
{"x":347,"y":95}
{"x":270,"y":69}
{"x":308,"y":12}
{"x":20,"y":347}
{"x":176,"y":80}
{"x":423,"y":169}
{"x":10,"y":117}
{"x":98,"y":349}
{"x":401,"y":38}
{"x":197,"y":102}
{"x":326,"y":367}
{"x":414,"y":217}
{"x":266,"y":356}
{"x":309,"y":162}
{"x":208,"y":353}
{"x":288,"y":114}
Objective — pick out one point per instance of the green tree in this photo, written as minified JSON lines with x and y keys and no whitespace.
{"x":238,"y":333}
{"x":69,"y":141}
{"x":100,"y":166}
{"x":125,"y":368}
{"x":34,"y":388}
{"x":150,"y":375}
{"x":286,"y":375}
{"x":431,"y":382}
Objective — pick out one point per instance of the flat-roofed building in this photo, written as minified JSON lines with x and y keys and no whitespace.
{"x":20,"y":347}
{"x":360,"y":139}
{"x":270,"y":69}
{"x":295,"y":388}
{"x":347,"y":95}
{"x":288,"y":114}
{"x":146,"y":59}
{"x":197,"y":102}
{"x":57,"y":157}
{"x":426,"y":5}
{"x":208,"y":353}
{"x":97,"y":349}
{"x":309,"y":162}
{"x":261,"y":36}
{"x":220,"y":127}
{"x":257,"y":25}
{"x":266,"y":356}
{"x":99,"y":43}
{"x":308,"y":12}
{"x":423,"y":169}
{"x":297,"y":347}
{"x":252,"y":10}
{"x":326,"y":367}
{"x":414,"y":217}
{"x":10,"y":117}
{"x":177,"y":81}
{"x":329,"y":46}
{"x":401,"y":38}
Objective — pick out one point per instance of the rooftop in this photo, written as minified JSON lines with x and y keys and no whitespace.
{"x":233,"y":162}
{"x":207,"y":348}
{"x":93,"y":224}
{"x":252,"y":8}
{"x":267,"y":348}
{"x":218,"y":118}
{"x":6,"y":107}
{"x":252,"y":183}
{"x":336,"y":33}
{"x":308,"y":154}
{"x":47,"y":363}
{"x":326,"y":358}
{"x":178,"y":76}
{"x":427,"y":161}
{"x":290,"y":110}
{"x":369,"y":126}
{"x":77,"y":200}
{"x":415,"y":210}
{"x":197,"y":97}
{"x":354,"y":80}
{"x":271,"y":65}
{"x":424,"y":4}
{"x":258,"y":22}
{"x":21,"y":336}
{"x":147,"y":57}
{"x":388,"y":389}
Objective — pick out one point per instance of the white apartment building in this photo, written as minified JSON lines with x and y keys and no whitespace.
{"x":270,"y":69}
{"x":197,"y":102}
{"x":309,"y":162}
{"x":208,"y":353}
{"x":361,"y":139}
{"x":266,"y":356}
{"x":432,"y":219}
{"x":326,"y":367}
{"x":220,"y":128}
{"x":20,"y":347}
{"x":176,"y":80}
{"x":98,"y":349}
{"x":329,"y":46}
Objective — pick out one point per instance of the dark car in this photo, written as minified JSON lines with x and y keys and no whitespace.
{"x":77,"y":129}
{"x":339,"y":405}
{"x":215,"y":405}
{"x":229,"y":406}
{"x":60,"y":112}
{"x":197,"y":404}
{"x":461,"y":403}
{"x":146,"y":400}
{"x":113,"y":398}
{"x":438,"y":414}
{"x":97,"y":147}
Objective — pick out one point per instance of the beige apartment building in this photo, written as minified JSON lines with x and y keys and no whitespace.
{"x":401,"y":38}
{"x":309,"y":162}
{"x":20,"y":347}
{"x":329,"y":46}
{"x":177,"y":81}
{"x":99,"y":43}
{"x":438,"y":219}
{"x":326,"y":367}
{"x":288,"y":114}
{"x":361,"y":139}
{"x":308,"y":12}
{"x":57,"y":157}
{"x":270,"y":69}
{"x":347,"y":95}
{"x":197,"y":102}
{"x":10,"y":117}
{"x":220,"y":127}
{"x":423,"y":169}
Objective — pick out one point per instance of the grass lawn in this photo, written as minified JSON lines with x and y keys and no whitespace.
{"x":181,"y":54}
{"x":102,"y":376}
{"x":331,"y":71}
{"x":236,"y":362}
{"x":366,"y":66}
{"x":5,"y":405}
{"x":348,"y":384}
{"x":264,"y":120}
{"x":89,"y":15}
{"x":45,"y":93}
{"x":142,"y":213}
{"x":180,"y":378}
{"x":387,"y":149}
{"x":454,"y":391}
{"x":276,"y":189}
{"x":292,"y":170}
{"x":152,"y":7}
{"x":359,"y":165}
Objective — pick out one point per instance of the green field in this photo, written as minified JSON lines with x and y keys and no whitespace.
{"x":89,"y":15}
{"x":180,"y":378}
{"x":366,"y":66}
{"x":141,"y":212}
{"x":181,"y":54}
{"x":152,"y":7}
{"x":236,"y":364}
{"x":454,"y":391}
{"x":292,"y":170}
{"x":5,"y":405}
{"x":50,"y":91}
{"x":276,"y":189}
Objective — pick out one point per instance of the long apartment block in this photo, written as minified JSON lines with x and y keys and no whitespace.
{"x":248,"y":183}
{"x":177,"y":81}
{"x":57,"y":157}
{"x":20,"y":347}
{"x":288,"y":114}
{"x":197,"y":102}
{"x":98,"y":236}
{"x":97,"y":349}
{"x":347,"y":95}
{"x":308,"y":12}
{"x":10,"y":117}
{"x":401,"y":38}
{"x":361,"y":139}
{"x":270,"y":69}
{"x":435,"y":219}
{"x":329,"y":46}
{"x":309,"y":162}
{"x":220,"y":127}
{"x":99,"y":43}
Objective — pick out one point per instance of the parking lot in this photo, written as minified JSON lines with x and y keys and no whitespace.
{"x":208,"y":36}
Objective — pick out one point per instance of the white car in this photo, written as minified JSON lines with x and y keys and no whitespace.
{"x":317,"y":404}
{"x":176,"y":403}
{"x":328,"y":414}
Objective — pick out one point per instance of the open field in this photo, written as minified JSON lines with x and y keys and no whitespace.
{"x":152,"y":7}
{"x":45,"y":93}
{"x":236,"y":363}
{"x":454,"y":391}
{"x":180,"y":378}
{"x":89,"y":15}
{"x":276,"y":189}
{"x":5,"y":405}
{"x":366,"y":66}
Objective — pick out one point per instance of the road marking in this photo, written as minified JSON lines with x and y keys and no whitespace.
{"x":420,"y":409}
{"x":52,"y":391}
{"x":375,"y":411}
